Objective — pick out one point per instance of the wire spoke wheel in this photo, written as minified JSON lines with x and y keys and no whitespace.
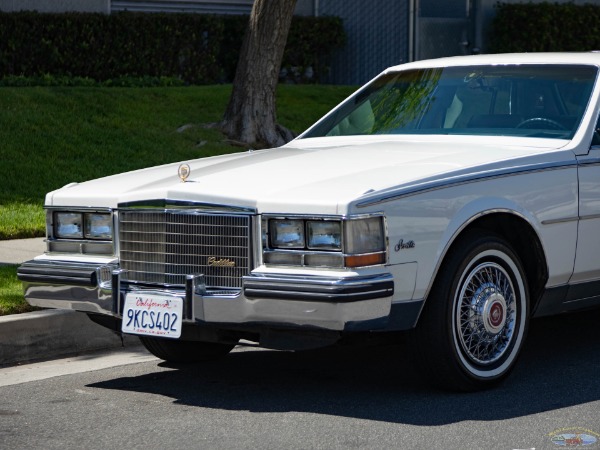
{"x":474,"y":322}
{"x":485,"y":314}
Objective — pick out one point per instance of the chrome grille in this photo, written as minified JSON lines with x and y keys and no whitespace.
{"x":162,"y":247}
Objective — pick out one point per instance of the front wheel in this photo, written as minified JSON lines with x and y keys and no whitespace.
{"x":475,"y":320}
{"x":177,"y":351}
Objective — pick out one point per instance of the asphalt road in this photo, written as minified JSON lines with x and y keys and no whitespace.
{"x":335,"y":399}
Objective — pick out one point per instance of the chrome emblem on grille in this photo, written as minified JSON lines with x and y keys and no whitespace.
{"x":223,"y":262}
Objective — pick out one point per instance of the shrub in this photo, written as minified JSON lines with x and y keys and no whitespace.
{"x":545,"y":27}
{"x":194,"y":48}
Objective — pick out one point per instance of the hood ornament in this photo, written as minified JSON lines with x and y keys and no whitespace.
{"x":184,"y":172}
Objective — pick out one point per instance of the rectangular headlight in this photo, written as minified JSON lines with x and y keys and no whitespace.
{"x":364,"y":236}
{"x":68,"y":225}
{"x":324,"y":235}
{"x":98,"y":226}
{"x":287,"y":233}
{"x":327,"y":242}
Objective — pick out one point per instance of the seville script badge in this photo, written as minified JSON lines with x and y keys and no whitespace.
{"x":184,"y":172}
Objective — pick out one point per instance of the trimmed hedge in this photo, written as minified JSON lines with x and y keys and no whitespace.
{"x":545,"y":27}
{"x":195,"y":48}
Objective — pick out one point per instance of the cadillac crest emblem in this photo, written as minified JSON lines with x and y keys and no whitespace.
{"x":184,"y":172}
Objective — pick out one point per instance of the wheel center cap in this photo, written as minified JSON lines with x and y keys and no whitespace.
{"x":494,"y":313}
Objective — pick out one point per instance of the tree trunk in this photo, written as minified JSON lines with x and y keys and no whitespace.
{"x":251,"y":114}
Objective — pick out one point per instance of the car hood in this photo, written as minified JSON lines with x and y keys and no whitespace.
{"x":322,"y":175}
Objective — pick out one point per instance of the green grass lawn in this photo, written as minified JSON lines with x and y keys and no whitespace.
{"x":11,"y":292}
{"x":51,"y":136}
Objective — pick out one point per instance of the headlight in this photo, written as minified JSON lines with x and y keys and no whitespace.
{"x":324,"y":242}
{"x":98,"y":226}
{"x":287,"y":233}
{"x":364,"y":236}
{"x":324,"y":235}
{"x":365,"y":243}
{"x":68,"y":225}
{"x":75,"y":225}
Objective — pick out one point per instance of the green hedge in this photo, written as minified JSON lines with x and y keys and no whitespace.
{"x":545,"y":27}
{"x":195,"y":48}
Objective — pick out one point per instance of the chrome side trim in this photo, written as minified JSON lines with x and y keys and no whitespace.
{"x":417,"y":188}
{"x":571,"y":219}
{"x":589,"y":217}
{"x":562,"y":220}
{"x":590,"y":161}
{"x":324,"y":289}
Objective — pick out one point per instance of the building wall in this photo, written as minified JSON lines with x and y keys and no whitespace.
{"x":95,"y":6}
{"x":304,"y":7}
{"x":377,"y":32}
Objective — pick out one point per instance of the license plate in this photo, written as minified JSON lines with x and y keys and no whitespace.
{"x":152,"y":315}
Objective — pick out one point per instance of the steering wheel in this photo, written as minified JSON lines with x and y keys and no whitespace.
{"x":543,"y":122}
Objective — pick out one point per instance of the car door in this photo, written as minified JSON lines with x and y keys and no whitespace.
{"x":585,"y":283}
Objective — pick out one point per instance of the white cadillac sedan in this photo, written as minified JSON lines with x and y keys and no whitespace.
{"x":454,"y":199}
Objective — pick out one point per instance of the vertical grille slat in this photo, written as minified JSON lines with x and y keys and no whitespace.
{"x":162,"y":247}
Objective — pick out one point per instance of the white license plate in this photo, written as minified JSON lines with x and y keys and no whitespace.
{"x":152,"y":315}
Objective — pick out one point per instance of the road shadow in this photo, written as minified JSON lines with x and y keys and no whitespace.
{"x":558,"y":369}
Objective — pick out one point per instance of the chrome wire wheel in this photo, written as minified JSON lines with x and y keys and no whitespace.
{"x":485,"y":315}
{"x":474,"y":322}
{"x":489,"y":314}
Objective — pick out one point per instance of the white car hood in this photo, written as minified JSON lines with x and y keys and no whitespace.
{"x":320,"y":175}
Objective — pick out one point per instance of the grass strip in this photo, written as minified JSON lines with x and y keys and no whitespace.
{"x":11,"y":292}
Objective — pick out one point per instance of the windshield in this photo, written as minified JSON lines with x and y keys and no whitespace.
{"x":511,"y":100}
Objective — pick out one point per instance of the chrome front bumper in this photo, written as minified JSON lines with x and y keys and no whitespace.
{"x":329,"y":303}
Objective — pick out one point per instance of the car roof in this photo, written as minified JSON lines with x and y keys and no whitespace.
{"x":588,"y":58}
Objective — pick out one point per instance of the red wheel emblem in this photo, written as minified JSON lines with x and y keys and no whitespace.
{"x":496,"y":315}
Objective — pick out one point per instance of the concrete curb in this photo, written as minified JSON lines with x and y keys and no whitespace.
{"x":51,"y":333}
{"x":54,"y":333}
